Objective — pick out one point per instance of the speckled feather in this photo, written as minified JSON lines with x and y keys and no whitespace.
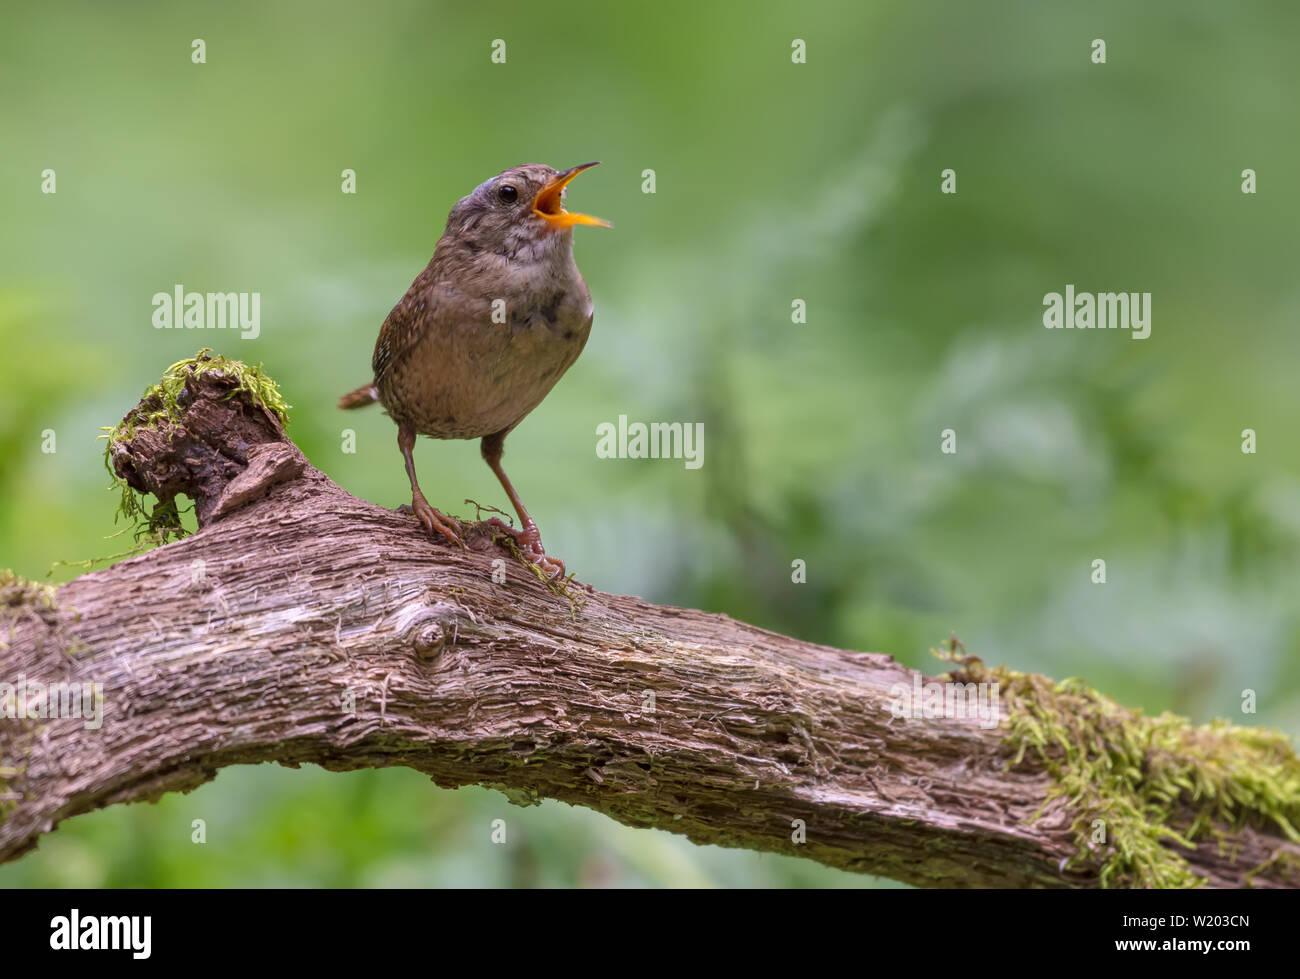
{"x":441,"y":364}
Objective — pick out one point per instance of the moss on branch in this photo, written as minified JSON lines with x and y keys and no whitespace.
{"x":1141,"y":788}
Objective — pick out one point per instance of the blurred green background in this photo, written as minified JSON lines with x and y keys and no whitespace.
{"x":775,"y":181}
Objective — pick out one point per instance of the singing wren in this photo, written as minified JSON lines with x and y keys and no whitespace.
{"x":485,"y":331}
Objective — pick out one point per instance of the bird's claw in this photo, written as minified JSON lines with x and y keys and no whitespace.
{"x":433,"y":520}
{"x":529,"y":542}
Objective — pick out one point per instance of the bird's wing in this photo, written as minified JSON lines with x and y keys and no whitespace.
{"x":395,"y":338}
{"x":404,"y":327}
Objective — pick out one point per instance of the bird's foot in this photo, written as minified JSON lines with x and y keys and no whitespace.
{"x":529,"y":543}
{"x":433,"y":520}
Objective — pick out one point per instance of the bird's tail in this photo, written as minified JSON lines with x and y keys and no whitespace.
{"x":359,"y":398}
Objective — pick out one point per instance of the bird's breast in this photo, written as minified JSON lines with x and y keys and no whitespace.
{"x":489,"y":359}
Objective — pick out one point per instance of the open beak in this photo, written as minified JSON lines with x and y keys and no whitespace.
{"x":549,"y":203}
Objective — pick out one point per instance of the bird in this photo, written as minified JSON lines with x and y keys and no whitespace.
{"x":485,"y":331}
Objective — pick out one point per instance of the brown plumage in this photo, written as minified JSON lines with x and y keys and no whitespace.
{"x":486,"y":330}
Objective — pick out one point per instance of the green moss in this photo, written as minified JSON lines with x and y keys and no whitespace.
{"x":560,"y":587}
{"x":160,"y":407}
{"x":1283,"y":863}
{"x":8,"y":799}
{"x":17,"y":593}
{"x":1141,"y":776}
{"x":11,"y":773}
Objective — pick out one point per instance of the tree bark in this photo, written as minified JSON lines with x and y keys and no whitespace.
{"x":303,"y":625}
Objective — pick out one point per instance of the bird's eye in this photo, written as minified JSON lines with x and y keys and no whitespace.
{"x":507,"y":194}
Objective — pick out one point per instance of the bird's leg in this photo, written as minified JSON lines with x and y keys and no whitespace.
{"x":527,"y":538}
{"x":427,"y":515}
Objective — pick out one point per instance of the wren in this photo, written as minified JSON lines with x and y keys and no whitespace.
{"x":485,"y":331}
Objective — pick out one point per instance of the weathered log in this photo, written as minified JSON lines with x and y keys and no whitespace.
{"x":303,"y":625}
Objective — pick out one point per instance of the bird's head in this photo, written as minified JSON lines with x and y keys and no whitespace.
{"x":520,"y":207}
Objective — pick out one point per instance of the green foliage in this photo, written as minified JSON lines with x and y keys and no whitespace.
{"x":775,"y":181}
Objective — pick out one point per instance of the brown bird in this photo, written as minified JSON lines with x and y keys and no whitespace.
{"x":485,"y":331}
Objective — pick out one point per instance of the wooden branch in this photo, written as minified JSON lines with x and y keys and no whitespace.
{"x":302,"y":625}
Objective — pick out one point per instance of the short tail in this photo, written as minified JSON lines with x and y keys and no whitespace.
{"x":359,"y":398}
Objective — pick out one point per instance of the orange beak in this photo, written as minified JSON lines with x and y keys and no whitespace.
{"x":549,"y":203}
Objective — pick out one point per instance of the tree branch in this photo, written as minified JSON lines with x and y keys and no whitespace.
{"x":302,"y":625}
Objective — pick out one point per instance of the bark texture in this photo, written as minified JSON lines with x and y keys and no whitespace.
{"x":303,"y":625}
